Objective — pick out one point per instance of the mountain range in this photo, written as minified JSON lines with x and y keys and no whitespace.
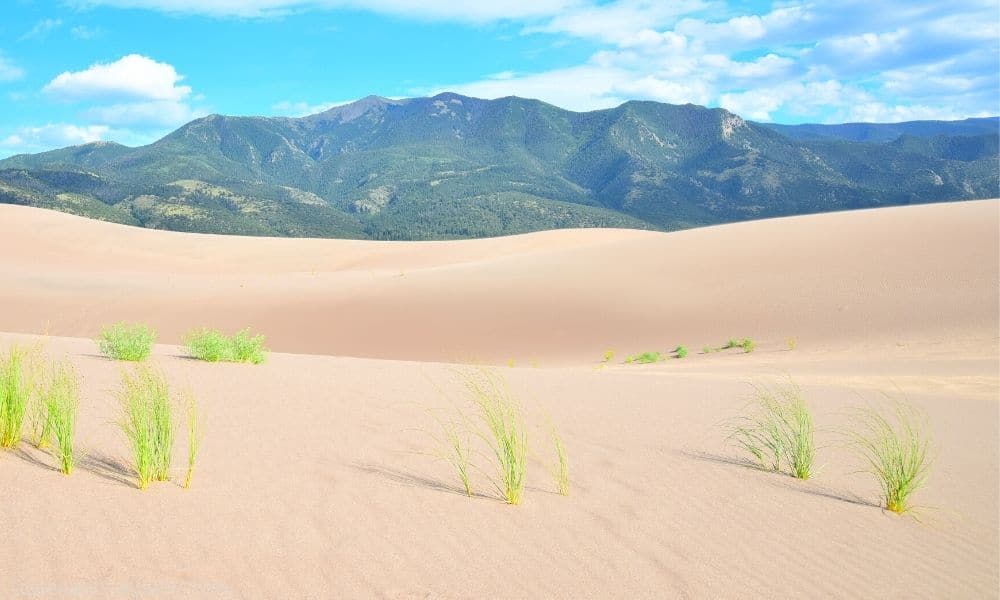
{"x":452,"y":166}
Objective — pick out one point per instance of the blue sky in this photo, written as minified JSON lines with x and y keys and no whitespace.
{"x":74,"y":71}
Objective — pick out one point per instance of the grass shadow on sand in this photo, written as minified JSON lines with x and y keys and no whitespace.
{"x":412,"y":479}
{"x":30,"y":454}
{"x":723,"y":459}
{"x":785,"y":482}
{"x":109,"y":468}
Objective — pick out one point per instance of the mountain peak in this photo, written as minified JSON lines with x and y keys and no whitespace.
{"x":346,"y":113}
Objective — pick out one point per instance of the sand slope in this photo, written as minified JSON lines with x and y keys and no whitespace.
{"x":880,"y":277}
{"x":318,"y":480}
{"x":318,"y":476}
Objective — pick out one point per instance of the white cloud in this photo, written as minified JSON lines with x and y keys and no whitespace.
{"x":131,"y":77}
{"x":474,"y":11}
{"x":52,"y":135}
{"x":8,"y":70}
{"x":867,"y":45}
{"x":286,"y":108}
{"x":164,"y":113}
{"x":615,"y":22}
{"x":880,"y":112}
{"x":42,"y":29}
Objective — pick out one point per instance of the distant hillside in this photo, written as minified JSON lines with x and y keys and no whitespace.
{"x":455,"y":167}
{"x":887,"y":132}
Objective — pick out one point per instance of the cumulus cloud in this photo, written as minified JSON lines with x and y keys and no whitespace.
{"x":132,"y":76}
{"x":52,"y":135}
{"x":797,"y":61}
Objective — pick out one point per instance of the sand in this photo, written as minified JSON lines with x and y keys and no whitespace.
{"x":318,"y":476}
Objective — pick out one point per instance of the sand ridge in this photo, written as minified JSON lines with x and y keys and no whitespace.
{"x":877,"y":276}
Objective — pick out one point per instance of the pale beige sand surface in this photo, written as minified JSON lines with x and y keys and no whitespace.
{"x":314,"y":483}
{"x":882,"y":276}
{"x":318,"y":477}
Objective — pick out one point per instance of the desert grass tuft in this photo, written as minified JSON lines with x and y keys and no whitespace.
{"x":895,"y":448}
{"x":680,"y":352}
{"x":124,"y":341}
{"x":644,"y":358}
{"x":195,"y":433}
{"x":747,"y":345}
{"x":457,"y":450}
{"x":16,"y":389}
{"x":505,"y":432}
{"x":780,"y":431}
{"x":248,"y":348}
{"x":213,"y":346}
{"x":208,"y":345}
{"x":792,"y":343}
{"x":561,"y":471}
{"x":147,"y":422}
{"x":62,"y":402}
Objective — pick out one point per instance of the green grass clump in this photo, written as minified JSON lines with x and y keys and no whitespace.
{"x":213,"y":346}
{"x":208,"y":345}
{"x":457,"y":449}
{"x":505,"y":435}
{"x":16,"y":388}
{"x":645,"y":358}
{"x":147,"y":422}
{"x":746,"y":344}
{"x":61,"y":403}
{"x":896,"y":450}
{"x":123,"y":341}
{"x":608,"y":355}
{"x":780,"y":432}
{"x":561,"y":471}
{"x":681,"y":352}
{"x":194,"y":421}
{"x":247,"y":348}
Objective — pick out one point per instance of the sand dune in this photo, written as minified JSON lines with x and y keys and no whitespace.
{"x":878,"y":277}
{"x":318,"y":476}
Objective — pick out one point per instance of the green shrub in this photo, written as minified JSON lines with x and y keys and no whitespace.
{"x":896,"y":451}
{"x":645,"y":358}
{"x":780,"y":431}
{"x":147,"y":422}
{"x":247,"y":348}
{"x":608,"y":355}
{"x":61,"y":402}
{"x":208,"y":345}
{"x":747,"y":345}
{"x":681,"y":352}
{"x":124,"y":341}
{"x":505,"y":435}
{"x":213,"y":346}
{"x":16,"y":389}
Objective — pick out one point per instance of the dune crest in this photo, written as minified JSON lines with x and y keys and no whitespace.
{"x":880,"y":276}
